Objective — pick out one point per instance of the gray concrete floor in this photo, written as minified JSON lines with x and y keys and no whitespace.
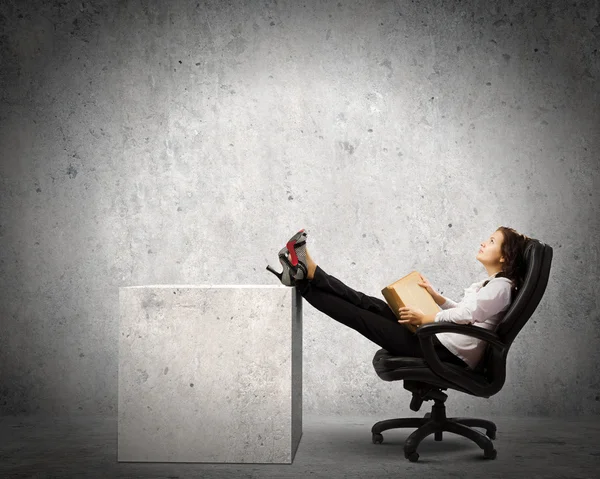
{"x":84,"y":446}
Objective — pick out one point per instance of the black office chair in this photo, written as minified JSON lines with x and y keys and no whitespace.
{"x":427,"y":378}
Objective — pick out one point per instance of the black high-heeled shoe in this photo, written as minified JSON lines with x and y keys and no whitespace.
{"x":287,"y":275}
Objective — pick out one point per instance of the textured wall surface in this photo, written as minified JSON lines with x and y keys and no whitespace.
{"x":184,"y":142}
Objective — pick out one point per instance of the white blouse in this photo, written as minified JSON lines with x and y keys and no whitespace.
{"x":481,"y":306}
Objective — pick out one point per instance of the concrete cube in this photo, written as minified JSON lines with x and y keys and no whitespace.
{"x":209,"y":373}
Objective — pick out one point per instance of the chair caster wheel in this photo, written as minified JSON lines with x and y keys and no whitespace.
{"x":491,"y":434}
{"x":412,"y":457}
{"x":377,"y":438}
{"x":490,"y":453}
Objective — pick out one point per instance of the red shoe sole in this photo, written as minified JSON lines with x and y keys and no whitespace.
{"x":290,"y":247}
{"x":293,"y":257}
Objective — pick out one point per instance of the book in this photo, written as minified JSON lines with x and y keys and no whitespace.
{"x":407,"y":292}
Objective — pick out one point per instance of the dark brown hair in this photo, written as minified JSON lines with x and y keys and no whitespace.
{"x":513,"y":267}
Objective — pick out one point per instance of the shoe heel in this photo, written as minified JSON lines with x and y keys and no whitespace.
{"x":287,"y":275}
{"x":279,"y":275}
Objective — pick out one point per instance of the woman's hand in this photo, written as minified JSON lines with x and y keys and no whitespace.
{"x":411,"y":315}
{"x":424,"y":283}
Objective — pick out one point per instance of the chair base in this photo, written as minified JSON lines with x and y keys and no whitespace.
{"x":436,"y":422}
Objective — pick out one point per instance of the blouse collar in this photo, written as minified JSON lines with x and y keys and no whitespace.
{"x":489,"y":278}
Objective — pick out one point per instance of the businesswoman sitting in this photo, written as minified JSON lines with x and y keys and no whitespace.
{"x":483,"y":305}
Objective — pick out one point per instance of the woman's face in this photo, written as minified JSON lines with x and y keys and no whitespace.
{"x":490,"y":252}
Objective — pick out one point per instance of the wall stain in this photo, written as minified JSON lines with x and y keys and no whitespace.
{"x":71,"y":171}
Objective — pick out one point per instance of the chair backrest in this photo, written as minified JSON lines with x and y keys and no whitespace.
{"x":538,"y":258}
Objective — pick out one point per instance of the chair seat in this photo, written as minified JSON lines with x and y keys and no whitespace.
{"x":393,"y":368}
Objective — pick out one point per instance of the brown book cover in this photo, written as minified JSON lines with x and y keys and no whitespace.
{"x":407,"y":292}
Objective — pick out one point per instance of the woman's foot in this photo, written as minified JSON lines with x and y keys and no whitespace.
{"x":312,"y":266}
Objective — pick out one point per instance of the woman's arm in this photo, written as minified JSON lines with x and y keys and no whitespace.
{"x":444,"y":303}
{"x":488,"y":301}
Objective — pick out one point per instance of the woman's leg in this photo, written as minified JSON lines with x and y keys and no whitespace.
{"x":330,"y":283}
{"x":362,"y":313}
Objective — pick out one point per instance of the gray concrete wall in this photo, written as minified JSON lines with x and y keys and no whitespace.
{"x":151,"y":142}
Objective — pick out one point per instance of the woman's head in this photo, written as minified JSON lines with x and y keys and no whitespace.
{"x":490,"y":254}
{"x":502,"y":253}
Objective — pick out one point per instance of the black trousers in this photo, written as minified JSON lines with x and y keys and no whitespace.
{"x":372,"y":317}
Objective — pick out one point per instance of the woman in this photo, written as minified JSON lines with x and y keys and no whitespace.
{"x":483,"y":305}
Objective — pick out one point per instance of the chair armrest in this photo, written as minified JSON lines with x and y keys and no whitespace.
{"x":448,"y":327}
{"x":425,"y":334}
